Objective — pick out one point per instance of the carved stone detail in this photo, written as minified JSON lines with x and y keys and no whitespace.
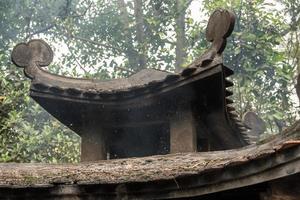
{"x":34,"y":52}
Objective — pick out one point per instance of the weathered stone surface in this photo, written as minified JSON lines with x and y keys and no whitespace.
{"x":220,"y":26}
{"x":34,"y":52}
{"x":142,"y":169}
{"x":161,"y":177}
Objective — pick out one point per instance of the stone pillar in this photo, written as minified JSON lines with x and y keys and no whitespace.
{"x":183,"y":135}
{"x":93,"y":145}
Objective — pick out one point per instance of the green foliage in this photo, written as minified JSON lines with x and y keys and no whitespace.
{"x":264,"y":77}
{"x":98,"y":39}
{"x":28,"y":133}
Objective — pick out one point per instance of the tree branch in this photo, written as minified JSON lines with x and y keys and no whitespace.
{"x":140,"y":35}
{"x":124,"y":69}
{"x":78,"y":63}
{"x":84,"y":12}
{"x":130,"y":50}
{"x":188,"y":4}
{"x":169,"y":42}
{"x":180,"y":34}
{"x":45,"y":29}
{"x":184,"y":7}
{"x":97,"y":43}
{"x":42,"y":30}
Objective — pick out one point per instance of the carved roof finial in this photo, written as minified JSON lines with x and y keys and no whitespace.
{"x":219,"y":27}
{"x":34,"y":52}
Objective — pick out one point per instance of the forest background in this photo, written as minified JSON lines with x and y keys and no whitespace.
{"x":106,"y":39}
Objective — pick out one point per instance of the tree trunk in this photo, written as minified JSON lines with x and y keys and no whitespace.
{"x":180,"y":34}
{"x":140,"y":35}
{"x":130,"y":50}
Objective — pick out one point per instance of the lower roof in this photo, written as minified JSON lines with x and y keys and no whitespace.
{"x":168,"y":176}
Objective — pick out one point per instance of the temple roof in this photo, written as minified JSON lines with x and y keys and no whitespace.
{"x":141,"y":82}
{"x":75,"y":101}
{"x":137,"y":80}
{"x":175,"y":175}
{"x":35,"y":54}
